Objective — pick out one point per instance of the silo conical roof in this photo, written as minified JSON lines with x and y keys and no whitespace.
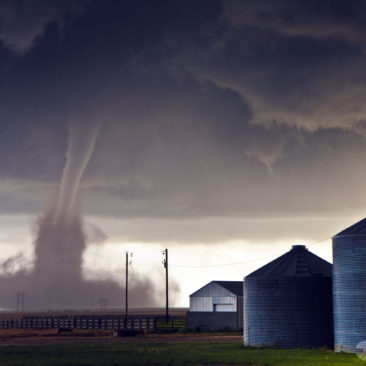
{"x":359,"y":228}
{"x":298,"y":262}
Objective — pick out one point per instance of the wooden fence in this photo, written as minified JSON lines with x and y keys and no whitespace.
{"x":107,"y":322}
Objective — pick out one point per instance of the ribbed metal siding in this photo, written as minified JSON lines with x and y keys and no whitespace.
{"x":240,"y":306}
{"x":200,"y":303}
{"x":349,"y":291}
{"x":205,"y":298}
{"x":288,"y":312}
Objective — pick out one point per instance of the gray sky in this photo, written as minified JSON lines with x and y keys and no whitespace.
{"x":223,"y":122}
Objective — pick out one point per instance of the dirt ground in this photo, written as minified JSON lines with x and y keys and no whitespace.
{"x":42,"y":337}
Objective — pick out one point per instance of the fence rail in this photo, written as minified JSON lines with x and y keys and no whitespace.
{"x":107,"y":322}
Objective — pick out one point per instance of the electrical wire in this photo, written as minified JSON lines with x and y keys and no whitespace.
{"x":319,"y":241}
{"x":220,"y":265}
{"x":239,"y":263}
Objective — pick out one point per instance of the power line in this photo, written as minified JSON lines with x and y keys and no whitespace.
{"x":239,"y":263}
{"x":319,"y":241}
{"x":221,"y":265}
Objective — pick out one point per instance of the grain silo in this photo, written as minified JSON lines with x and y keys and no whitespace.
{"x":288,"y":302}
{"x":349,"y":287}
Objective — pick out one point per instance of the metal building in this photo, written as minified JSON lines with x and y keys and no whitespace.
{"x":349,"y":287}
{"x":288,"y":302}
{"x":217,"y":306}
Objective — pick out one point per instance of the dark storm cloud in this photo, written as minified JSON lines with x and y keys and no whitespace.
{"x":23,"y":21}
{"x":339,"y":18}
{"x":281,"y":172}
{"x":305,"y":78}
{"x":210,"y":108}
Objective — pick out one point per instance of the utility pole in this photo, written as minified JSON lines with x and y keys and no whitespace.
{"x":127,"y":264}
{"x":103,"y":303}
{"x":20,"y":301}
{"x":165,"y":262}
{"x":126,"y":290}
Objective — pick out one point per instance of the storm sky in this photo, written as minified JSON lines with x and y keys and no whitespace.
{"x":230,"y":129}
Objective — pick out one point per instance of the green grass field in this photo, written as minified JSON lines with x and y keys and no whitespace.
{"x":168,"y":353}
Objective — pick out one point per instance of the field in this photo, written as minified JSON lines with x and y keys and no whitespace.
{"x":204,"y":349}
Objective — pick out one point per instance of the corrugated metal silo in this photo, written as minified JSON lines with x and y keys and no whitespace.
{"x":349,"y":287}
{"x":288,"y":302}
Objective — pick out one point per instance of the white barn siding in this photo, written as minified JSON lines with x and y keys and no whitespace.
{"x":201,"y":304}
{"x":213,"y":297}
{"x":225,"y":308}
{"x":217,"y":303}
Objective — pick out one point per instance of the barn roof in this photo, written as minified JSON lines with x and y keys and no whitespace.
{"x":235,"y":287}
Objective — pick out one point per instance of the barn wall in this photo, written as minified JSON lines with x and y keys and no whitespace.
{"x":213,"y":297}
{"x":210,"y":303}
{"x":214,"y":320}
{"x":240,"y":312}
{"x":200,"y":304}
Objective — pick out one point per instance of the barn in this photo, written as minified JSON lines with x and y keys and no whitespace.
{"x":217,"y":306}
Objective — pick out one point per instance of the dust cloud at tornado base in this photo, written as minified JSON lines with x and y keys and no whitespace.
{"x":55,"y":281}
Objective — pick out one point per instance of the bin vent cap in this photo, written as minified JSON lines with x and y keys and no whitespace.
{"x":298,"y":247}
